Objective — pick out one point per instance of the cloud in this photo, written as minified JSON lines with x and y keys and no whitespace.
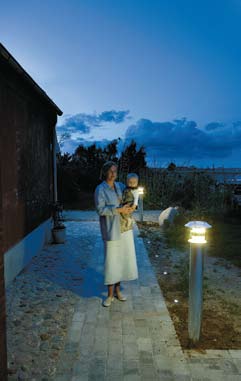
{"x":182,"y":139}
{"x":237,"y":125}
{"x":84,"y":123}
{"x":213,"y":126}
{"x":114,"y":116}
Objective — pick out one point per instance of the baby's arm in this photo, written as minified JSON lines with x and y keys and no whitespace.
{"x":135,"y":193}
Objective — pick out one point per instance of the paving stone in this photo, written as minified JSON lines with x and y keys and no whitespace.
{"x":217,"y":353}
{"x":165,"y":375}
{"x":148,"y":372}
{"x":130,"y":351}
{"x":145,"y":358}
{"x":129,"y":339}
{"x":181,"y":376}
{"x":81,"y":368}
{"x":63,"y":377}
{"x":78,"y":316}
{"x":228,"y":378}
{"x":225,"y":365}
{"x":142,"y":332}
{"x":115,"y":348}
{"x":144,"y":344}
{"x":114,"y":363}
{"x":236,"y":354}
{"x":237,"y":363}
{"x":132,"y":377}
{"x":81,"y":377}
{"x":74,"y":335}
{"x":162,"y":362}
{"x":116,"y":375}
{"x":128,"y":330}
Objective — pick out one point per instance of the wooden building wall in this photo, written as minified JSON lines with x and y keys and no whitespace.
{"x":3,"y":338}
{"x":26,"y":184}
{"x":27,"y":126}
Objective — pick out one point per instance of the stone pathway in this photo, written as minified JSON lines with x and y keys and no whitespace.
{"x":64,"y":334}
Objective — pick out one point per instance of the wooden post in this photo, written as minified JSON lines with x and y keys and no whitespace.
{"x":3,"y":336}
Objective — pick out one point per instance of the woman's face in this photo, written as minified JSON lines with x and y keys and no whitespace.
{"x":112,"y":173}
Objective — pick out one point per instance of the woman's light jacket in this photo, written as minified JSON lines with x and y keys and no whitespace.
{"x":106,"y":202}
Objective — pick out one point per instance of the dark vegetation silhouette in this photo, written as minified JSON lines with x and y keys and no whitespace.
{"x":79,"y":174}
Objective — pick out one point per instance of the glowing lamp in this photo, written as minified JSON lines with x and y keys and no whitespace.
{"x":141,"y":190}
{"x":198,"y":231}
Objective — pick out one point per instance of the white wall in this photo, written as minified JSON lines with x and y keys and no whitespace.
{"x":18,"y":256}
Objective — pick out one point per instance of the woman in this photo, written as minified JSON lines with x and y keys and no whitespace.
{"x":120,"y":257}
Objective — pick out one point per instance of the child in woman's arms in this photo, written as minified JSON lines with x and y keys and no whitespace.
{"x":130,"y":196}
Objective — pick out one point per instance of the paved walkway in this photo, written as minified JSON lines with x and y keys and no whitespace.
{"x":132,"y":340}
{"x":129,"y":341}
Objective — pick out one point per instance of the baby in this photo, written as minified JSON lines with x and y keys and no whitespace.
{"x":130,"y":196}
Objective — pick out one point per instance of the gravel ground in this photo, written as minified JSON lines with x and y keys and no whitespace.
{"x":40,"y":304}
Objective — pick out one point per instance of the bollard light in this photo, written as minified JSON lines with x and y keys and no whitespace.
{"x":197,"y":231}
{"x":197,"y":242}
{"x":141,"y":193}
{"x":141,"y":190}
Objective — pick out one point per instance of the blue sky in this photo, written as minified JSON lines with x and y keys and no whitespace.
{"x":130,"y":68}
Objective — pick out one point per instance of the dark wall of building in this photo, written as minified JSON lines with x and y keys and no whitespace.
{"x":3,"y":338}
{"x":27,"y":122}
{"x":26,"y":169}
{"x":26,"y":126}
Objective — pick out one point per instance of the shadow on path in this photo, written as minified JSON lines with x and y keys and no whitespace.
{"x":76,"y":265}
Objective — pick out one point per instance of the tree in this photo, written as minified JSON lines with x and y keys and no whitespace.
{"x":65,"y":136}
{"x":110,"y":151}
{"x":79,"y":173}
{"x":132,"y":160}
{"x":171,"y":167}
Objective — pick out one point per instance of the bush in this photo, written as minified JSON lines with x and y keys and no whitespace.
{"x":193,"y":190}
{"x":223,"y":238}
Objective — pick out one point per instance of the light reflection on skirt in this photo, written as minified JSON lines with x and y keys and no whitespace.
{"x":120,"y":259}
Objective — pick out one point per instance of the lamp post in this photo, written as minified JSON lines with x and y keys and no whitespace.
{"x":141,"y":193}
{"x":197,"y":244}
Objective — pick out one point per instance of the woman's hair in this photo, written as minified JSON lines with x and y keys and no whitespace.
{"x":105,"y":168}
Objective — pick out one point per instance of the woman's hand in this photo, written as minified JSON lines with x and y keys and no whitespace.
{"x":126,"y":209}
{"x":133,"y":208}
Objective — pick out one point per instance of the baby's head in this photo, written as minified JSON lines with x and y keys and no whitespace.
{"x":132,"y":180}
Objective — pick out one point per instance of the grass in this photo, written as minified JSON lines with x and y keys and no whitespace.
{"x":176,"y":234}
{"x":225,"y":241}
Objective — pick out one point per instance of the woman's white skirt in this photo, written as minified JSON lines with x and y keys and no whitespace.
{"x":120,"y":259}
